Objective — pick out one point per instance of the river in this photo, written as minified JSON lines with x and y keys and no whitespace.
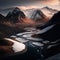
{"x":26,"y":36}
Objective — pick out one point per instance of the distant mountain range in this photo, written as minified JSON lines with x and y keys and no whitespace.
{"x":17,"y":16}
{"x":49,"y":11}
{"x":35,"y":15}
{"x":46,"y":10}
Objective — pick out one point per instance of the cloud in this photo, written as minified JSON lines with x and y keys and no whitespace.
{"x":10,"y":3}
{"x":40,"y":4}
{"x":48,"y":2}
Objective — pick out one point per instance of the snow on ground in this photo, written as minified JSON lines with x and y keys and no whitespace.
{"x":45,"y":29}
{"x":17,"y":46}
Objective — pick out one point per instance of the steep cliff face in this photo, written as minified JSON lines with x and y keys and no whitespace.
{"x":15,"y":15}
{"x":38,"y":16}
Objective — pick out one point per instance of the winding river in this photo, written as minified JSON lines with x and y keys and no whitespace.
{"x":26,"y":36}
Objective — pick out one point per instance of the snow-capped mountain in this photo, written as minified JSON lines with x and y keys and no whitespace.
{"x":19,"y":17}
{"x":6,"y":11}
{"x":49,"y":11}
{"x":28,"y":12}
{"x":37,"y":14}
{"x":15,"y":15}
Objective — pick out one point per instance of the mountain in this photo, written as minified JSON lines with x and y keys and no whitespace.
{"x":15,"y":15}
{"x":29,"y":12}
{"x":19,"y":17}
{"x":54,"y":20}
{"x":50,"y":31}
{"x":38,"y":16}
{"x":7,"y":24}
{"x":49,"y":11}
{"x":6,"y":11}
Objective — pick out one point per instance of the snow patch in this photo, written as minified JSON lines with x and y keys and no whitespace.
{"x":45,"y":29}
{"x":17,"y":46}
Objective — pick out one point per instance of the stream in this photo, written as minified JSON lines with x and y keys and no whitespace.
{"x":26,"y":36}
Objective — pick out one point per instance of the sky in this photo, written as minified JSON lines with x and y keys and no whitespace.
{"x":26,"y":4}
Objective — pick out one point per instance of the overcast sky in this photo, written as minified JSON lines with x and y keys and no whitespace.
{"x":29,"y":3}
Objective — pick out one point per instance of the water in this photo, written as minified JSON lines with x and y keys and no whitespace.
{"x":27,"y":36}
